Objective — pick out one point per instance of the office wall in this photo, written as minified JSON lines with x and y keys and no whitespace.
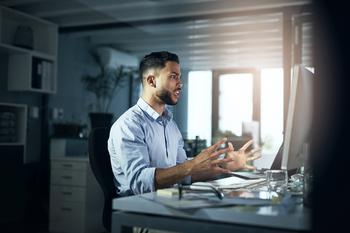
{"x":74,"y":60}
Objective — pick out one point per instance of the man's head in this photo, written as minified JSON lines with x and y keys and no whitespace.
{"x":160,"y":74}
{"x":156,"y":60}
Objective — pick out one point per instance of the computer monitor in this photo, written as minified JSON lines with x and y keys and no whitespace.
{"x":299,"y":119}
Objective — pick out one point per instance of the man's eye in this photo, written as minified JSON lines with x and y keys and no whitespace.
{"x":174,"y":77}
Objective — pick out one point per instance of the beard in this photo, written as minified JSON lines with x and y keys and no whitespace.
{"x":165,"y":96}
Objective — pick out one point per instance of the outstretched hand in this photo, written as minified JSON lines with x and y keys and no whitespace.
{"x":241,"y":157}
{"x":208,"y":161}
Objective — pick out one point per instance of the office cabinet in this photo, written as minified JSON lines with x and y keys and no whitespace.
{"x":76,"y":200}
{"x":31,"y":47}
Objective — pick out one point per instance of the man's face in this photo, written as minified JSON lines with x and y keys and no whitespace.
{"x":169,"y":83}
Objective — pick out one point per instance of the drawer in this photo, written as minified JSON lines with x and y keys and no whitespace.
{"x":68,"y":177}
{"x":69,"y":165}
{"x":67,"y":193}
{"x":67,"y":217}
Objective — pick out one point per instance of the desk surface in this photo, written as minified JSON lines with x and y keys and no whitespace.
{"x":269,"y":217}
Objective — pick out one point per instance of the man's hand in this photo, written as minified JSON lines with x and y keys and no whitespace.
{"x":207,"y":164}
{"x":240,"y":157}
{"x":208,"y":161}
{"x":204,"y":166}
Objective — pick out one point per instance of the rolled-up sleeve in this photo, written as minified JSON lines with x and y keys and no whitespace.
{"x":131,"y":154}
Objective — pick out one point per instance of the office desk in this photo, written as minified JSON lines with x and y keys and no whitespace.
{"x":141,"y":212}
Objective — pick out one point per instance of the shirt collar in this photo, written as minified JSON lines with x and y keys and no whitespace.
{"x":152,"y":113}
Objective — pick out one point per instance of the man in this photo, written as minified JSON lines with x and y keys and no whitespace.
{"x":146,"y":146}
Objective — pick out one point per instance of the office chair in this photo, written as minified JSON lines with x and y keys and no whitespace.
{"x":101,"y":168}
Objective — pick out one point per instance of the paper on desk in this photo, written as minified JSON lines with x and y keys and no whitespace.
{"x":189,"y":201}
{"x":194,"y":201}
{"x":200,"y":200}
{"x":234,"y":182}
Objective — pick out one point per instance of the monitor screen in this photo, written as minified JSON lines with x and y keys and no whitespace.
{"x":299,"y":118}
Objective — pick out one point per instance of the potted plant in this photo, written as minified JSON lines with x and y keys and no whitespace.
{"x":105,"y":85}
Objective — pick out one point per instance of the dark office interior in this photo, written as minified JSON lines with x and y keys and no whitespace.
{"x":50,"y":49}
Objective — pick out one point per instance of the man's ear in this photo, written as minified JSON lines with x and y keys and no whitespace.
{"x":151,"y":80}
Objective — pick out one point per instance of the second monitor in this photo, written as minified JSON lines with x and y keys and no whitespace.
{"x":299,"y":119}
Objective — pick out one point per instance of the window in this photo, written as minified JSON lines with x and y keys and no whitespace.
{"x":236,"y":105}
{"x":199,"y":105}
{"x":238,"y":97}
{"x":235,"y":101}
{"x":271,"y":110}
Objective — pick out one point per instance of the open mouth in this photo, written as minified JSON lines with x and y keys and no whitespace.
{"x":177,"y":93}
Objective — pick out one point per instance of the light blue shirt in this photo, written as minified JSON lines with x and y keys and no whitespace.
{"x":140,"y":141}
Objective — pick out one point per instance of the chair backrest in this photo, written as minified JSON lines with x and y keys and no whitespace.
{"x":101,"y":167}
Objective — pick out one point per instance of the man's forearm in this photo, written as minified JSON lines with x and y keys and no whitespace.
{"x":202,"y":177}
{"x":165,"y":177}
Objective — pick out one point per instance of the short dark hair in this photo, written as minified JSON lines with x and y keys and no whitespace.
{"x":156,"y":60}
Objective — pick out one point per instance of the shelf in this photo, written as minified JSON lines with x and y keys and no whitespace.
{"x":11,"y":144}
{"x":31,"y":46}
{"x":44,"y":33}
{"x":13,"y":124}
{"x":10,"y":50}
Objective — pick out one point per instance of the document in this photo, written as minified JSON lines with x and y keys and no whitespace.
{"x":189,"y":201}
{"x":234,"y":182}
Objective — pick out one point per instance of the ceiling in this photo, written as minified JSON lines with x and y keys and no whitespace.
{"x":207,"y":34}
